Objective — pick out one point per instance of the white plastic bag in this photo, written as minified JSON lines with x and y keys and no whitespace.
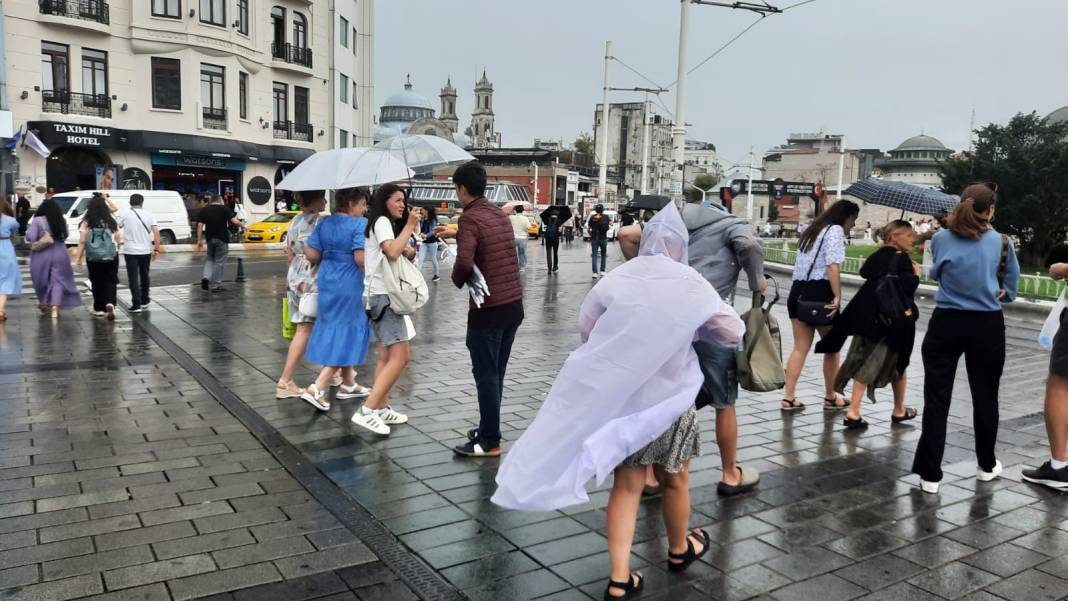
{"x":1053,"y":323}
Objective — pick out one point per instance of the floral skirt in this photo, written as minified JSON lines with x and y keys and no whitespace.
{"x":673,"y":448}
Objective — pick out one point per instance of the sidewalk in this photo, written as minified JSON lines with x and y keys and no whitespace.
{"x":837,"y":516}
{"x":124,"y":477}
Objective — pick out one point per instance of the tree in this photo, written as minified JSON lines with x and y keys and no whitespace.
{"x":1028,"y":160}
{"x":705,"y":182}
{"x":773,"y":211}
{"x":584,"y":143}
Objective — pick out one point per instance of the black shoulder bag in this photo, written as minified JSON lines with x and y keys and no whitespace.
{"x":813,"y":312}
{"x":895,"y":308}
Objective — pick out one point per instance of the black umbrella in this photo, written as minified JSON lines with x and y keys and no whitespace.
{"x":907,"y":197}
{"x":563,"y":211}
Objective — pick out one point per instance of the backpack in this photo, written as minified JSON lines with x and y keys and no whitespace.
{"x":759,"y":364}
{"x":405,"y":285}
{"x":894,"y":308}
{"x":101,"y":244}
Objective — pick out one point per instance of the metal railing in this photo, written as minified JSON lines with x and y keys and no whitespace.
{"x":292,"y":54}
{"x":86,"y":10}
{"x":73,"y":103}
{"x":215,"y":118}
{"x":288,"y":130}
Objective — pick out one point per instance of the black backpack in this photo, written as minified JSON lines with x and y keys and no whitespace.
{"x":895,"y":308}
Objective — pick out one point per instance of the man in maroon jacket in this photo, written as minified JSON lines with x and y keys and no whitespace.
{"x":484,"y":239}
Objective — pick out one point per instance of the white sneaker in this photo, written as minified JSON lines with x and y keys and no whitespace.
{"x":391,"y":417}
{"x":988,"y":476}
{"x":929,"y":487}
{"x":316,"y":397}
{"x":356,"y":392}
{"x":372,"y":422}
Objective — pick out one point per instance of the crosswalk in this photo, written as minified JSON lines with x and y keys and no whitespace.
{"x":81,"y":278}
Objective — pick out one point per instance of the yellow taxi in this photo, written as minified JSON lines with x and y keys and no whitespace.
{"x":272,"y":229}
{"x":534,"y":230}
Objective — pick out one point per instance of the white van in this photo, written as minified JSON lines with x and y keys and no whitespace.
{"x":165,"y":205}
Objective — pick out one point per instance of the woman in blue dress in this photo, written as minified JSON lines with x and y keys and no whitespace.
{"x":10,"y":276}
{"x":341,"y":333}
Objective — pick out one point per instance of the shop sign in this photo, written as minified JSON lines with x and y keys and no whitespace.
{"x":198,"y":161}
{"x":259,"y":190}
{"x":135,"y":179}
{"x":741,"y":186}
{"x":78,"y":134}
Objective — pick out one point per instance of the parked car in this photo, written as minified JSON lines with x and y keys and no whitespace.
{"x":274,"y":228}
{"x":166,"y":205}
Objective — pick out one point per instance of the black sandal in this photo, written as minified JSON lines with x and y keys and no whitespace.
{"x":854,"y":424}
{"x":630,"y":588}
{"x":910,"y":413}
{"x":832,"y":403}
{"x":791,"y":405}
{"x":691,"y":555}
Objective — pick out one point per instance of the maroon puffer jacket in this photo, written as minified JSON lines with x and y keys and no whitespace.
{"x":484,"y":238}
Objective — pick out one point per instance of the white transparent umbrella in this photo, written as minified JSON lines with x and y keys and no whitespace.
{"x":344,"y":168}
{"x":421,"y":152}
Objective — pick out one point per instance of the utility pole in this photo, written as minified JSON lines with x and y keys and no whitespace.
{"x":841,"y":168}
{"x":749,"y":188}
{"x":535,"y":166}
{"x":602,"y":179}
{"x":647,"y":131}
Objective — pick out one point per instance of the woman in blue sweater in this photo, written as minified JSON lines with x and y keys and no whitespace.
{"x":977,"y":271}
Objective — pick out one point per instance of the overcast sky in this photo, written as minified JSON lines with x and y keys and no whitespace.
{"x":877,"y":71}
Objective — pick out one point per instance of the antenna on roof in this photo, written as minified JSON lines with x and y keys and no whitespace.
{"x":971,"y":132}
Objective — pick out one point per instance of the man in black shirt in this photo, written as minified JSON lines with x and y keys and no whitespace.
{"x":22,"y":212}
{"x":598,"y":225}
{"x":213,"y":223}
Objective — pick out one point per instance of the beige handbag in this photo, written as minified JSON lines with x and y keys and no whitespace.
{"x":760,"y":367}
{"x":43,"y":243}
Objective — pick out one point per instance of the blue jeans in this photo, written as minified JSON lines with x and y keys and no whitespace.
{"x":490,"y":349}
{"x":432,"y":249}
{"x":216,"y":261}
{"x":521,"y":250}
{"x":603,"y":246}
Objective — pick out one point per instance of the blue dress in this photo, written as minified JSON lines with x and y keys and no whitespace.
{"x":342,"y":331}
{"x":10,"y":276}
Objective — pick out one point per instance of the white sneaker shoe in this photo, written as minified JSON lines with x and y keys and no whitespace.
{"x":372,"y":422}
{"x":929,"y":487}
{"x":391,"y":417}
{"x":316,"y":397}
{"x":988,"y":476}
{"x":356,"y":392}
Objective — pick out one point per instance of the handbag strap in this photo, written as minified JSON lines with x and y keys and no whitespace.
{"x":816,"y":255}
{"x":1004,"y":263}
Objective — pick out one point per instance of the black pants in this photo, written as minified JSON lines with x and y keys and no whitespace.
{"x":104,"y":276}
{"x":490,"y":349}
{"x":137,"y":276}
{"x":980,"y":337}
{"x":552,"y":253}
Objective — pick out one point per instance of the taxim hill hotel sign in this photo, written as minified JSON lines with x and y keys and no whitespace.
{"x":55,"y":133}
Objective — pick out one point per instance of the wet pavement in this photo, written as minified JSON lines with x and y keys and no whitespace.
{"x":836,"y":516}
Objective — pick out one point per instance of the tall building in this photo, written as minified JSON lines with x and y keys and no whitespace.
{"x":813,"y":157}
{"x":199,"y":96}
{"x":483,"y":131}
{"x":448,"y":106}
{"x":701,"y":159}
{"x":352,"y":72}
{"x":626,"y":144}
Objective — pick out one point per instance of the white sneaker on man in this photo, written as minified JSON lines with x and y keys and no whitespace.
{"x":983,"y":476}
{"x":391,"y":417}
{"x":371,"y":421}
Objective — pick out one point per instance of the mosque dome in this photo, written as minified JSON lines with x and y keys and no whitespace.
{"x":1058,"y":116}
{"x":922,"y":142}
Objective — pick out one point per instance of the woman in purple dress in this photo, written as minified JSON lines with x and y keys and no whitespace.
{"x":50,"y":268}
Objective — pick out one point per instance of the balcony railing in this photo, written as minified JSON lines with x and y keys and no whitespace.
{"x":73,"y":103}
{"x":86,"y":10}
{"x":214,"y":118}
{"x":292,"y":54}
{"x":288,"y":130}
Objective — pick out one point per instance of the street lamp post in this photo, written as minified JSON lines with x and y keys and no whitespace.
{"x":602,"y":179}
{"x":535,"y":166}
{"x":678,"y":132}
{"x":841,"y":169}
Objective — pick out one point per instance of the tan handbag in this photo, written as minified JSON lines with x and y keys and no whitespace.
{"x":760,"y":367}
{"x":43,"y":243}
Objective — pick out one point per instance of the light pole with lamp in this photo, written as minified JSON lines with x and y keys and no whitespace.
{"x":534,"y":164}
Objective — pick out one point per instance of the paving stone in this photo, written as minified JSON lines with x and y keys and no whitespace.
{"x":89,"y":528}
{"x":202,"y":544}
{"x":97,"y":562}
{"x":880,"y":572}
{"x":20,"y":576}
{"x":935,"y":551}
{"x":310,"y":587}
{"x":159,"y":571}
{"x":45,"y":552}
{"x":224,"y":580}
{"x":95,"y":498}
{"x":134,"y":506}
{"x":321,"y":561}
{"x":220,"y":493}
{"x":1031,"y":585}
{"x":189,"y":512}
{"x":806,"y":563}
{"x":953,"y":580}
{"x":902,"y":592}
{"x":827,"y":587}
{"x":260,"y":552}
{"x":58,"y":590}
{"x":1005,"y":559}
{"x":150,"y":592}
{"x":332,"y":538}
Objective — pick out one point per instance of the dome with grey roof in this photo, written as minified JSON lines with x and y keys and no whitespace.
{"x":922,"y":142}
{"x":1058,"y":116}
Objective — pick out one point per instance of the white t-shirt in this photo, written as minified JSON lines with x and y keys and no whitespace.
{"x":520,"y":224}
{"x":381,"y":232}
{"x":137,"y":236}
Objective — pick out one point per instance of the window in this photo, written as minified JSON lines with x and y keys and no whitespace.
{"x":343,"y":32}
{"x":242,"y":17}
{"x":55,"y":67}
{"x":354,"y":39}
{"x":343,"y":141}
{"x":278,"y":28}
{"x":343,"y":89}
{"x":171,"y":9}
{"x":213,"y":12}
{"x":242,"y":95}
{"x":212,"y":87}
{"x":355,"y":102}
{"x":300,"y":105}
{"x":281,"y":102}
{"x":166,"y":83}
{"x":300,"y":30}
{"x":94,"y":72}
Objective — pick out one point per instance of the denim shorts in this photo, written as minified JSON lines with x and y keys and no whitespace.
{"x":388,"y":327}
{"x":1058,"y":357}
{"x":720,"y":369}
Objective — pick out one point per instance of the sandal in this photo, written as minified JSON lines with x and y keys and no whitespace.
{"x":910,"y":413}
{"x":854,"y":424}
{"x":832,"y":403}
{"x":792,"y":405}
{"x":631,"y":588}
{"x":691,"y":555}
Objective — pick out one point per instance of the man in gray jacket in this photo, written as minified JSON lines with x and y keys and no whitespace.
{"x":721,"y":246}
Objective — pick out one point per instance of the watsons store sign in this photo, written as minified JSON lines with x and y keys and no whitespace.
{"x":78,"y":134}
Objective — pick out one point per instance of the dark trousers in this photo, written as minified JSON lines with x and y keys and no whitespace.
{"x":552,"y":253}
{"x":490,"y":349}
{"x":104,"y":276}
{"x":601,"y":245}
{"x":980,"y":337}
{"x":137,"y":276}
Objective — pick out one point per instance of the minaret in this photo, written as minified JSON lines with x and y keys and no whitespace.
{"x":448,"y":107}
{"x":484,"y":133}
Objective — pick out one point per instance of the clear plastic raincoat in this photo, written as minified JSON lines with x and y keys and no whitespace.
{"x":633,"y":376}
